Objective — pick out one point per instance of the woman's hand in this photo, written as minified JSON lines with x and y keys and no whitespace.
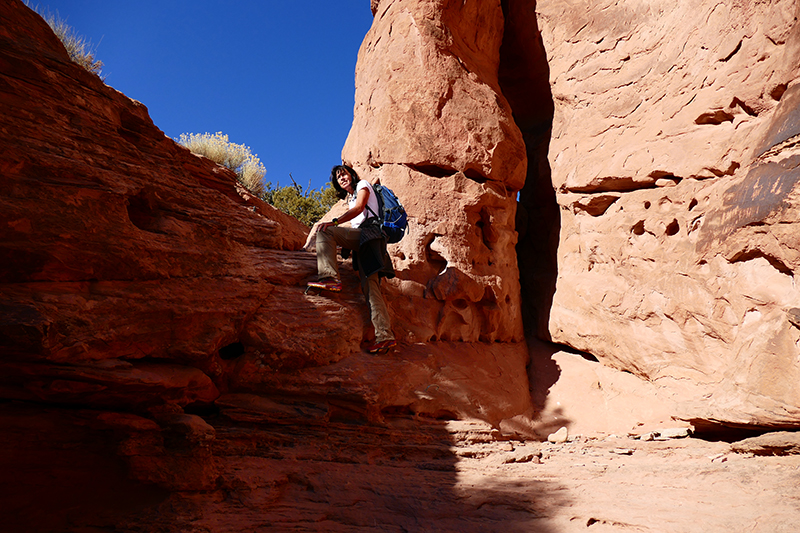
{"x":322,"y":226}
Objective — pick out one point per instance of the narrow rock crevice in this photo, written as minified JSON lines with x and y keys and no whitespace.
{"x":475,"y":176}
{"x":777,"y":92}
{"x":596,"y":205}
{"x":143,"y":211}
{"x":749,"y":255}
{"x":733,"y":53}
{"x":609,"y":184}
{"x":716,"y":117}
{"x":432,"y":170}
{"x":231,"y":351}
{"x":440,"y":171}
{"x":744,"y":107}
{"x":524,"y":77}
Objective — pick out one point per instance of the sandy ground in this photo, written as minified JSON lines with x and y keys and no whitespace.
{"x":325,"y":464}
{"x":303,"y":468}
{"x":613,"y":483}
{"x":411,"y":475}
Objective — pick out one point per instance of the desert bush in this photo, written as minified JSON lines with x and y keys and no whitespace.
{"x":79,"y":49}
{"x":308,"y":206}
{"x":236,"y":157}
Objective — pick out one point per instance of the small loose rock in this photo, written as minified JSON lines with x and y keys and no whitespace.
{"x":623,"y":451}
{"x":559,"y":437}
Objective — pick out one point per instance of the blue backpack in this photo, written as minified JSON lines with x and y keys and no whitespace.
{"x":392,"y":213}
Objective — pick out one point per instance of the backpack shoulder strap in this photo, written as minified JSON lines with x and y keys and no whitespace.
{"x":376,"y":190}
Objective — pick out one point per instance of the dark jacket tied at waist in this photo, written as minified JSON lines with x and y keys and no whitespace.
{"x":372,"y":256}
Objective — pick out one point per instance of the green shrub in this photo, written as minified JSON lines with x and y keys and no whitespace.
{"x":236,"y":157}
{"x":78,"y":48}
{"x":306,"y":206}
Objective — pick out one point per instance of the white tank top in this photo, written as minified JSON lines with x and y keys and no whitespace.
{"x":372,"y":203}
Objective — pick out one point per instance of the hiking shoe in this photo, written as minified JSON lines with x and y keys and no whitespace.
{"x":381,"y":347}
{"x":327,"y":284}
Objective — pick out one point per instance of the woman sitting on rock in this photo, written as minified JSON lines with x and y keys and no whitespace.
{"x":367,"y":242}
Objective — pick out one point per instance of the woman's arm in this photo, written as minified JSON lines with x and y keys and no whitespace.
{"x":361,"y":203}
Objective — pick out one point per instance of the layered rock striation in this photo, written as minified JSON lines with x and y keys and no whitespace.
{"x":140,"y":277}
{"x":127,"y":261}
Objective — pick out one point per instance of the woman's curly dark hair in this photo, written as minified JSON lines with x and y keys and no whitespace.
{"x":341,"y":193}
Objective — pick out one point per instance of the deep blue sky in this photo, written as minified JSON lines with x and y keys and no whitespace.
{"x":275,"y":75}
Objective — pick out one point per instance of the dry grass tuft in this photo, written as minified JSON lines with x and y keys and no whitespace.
{"x":236,"y":157}
{"x":79,"y":49}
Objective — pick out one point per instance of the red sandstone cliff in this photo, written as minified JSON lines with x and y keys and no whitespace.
{"x":651,"y":148}
{"x":139,"y":283}
{"x":138,"y":276}
{"x":677,"y":181}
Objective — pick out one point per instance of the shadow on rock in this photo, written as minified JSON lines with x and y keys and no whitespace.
{"x":296,"y":464}
{"x":305,"y":465}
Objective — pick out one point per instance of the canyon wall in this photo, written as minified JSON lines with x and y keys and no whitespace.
{"x":139,"y":277}
{"x":622,"y":182}
{"x":431,"y":123}
{"x":127,"y":261}
{"x":673,"y":158}
{"x":618,"y":177}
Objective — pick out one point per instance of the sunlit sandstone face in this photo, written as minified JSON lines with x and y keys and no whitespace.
{"x":677,"y":178}
{"x":672,"y":176}
{"x":431,"y":123}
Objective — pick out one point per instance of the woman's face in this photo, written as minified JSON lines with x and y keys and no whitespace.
{"x":345,"y":180}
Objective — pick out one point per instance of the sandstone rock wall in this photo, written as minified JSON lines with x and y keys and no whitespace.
{"x":127,"y":262}
{"x":136,"y":276}
{"x":677,"y":179}
{"x":665,"y":202}
{"x":431,"y":123}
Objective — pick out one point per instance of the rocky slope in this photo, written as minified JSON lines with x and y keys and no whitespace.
{"x":140,"y":276}
{"x":140,"y":283}
{"x":616,"y":182}
{"x":267,"y":466}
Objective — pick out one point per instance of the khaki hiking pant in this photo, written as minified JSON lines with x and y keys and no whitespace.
{"x":327,"y":267}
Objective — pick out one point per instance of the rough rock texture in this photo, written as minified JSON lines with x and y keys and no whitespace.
{"x":431,"y":123}
{"x":587,"y":397}
{"x":260,"y":466}
{"x":138,"y":276}
{"x":775,"y":443}
{"x":143,"y":293}
{"x":127,"y":260}
{"x":676,"y":173}
{"x":161,"y":368}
